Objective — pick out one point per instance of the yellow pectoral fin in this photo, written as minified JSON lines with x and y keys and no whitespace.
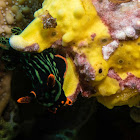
{"x":71,"y":79}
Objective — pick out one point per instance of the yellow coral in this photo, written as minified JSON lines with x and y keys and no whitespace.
{"x":79,"y":26}
{"x":16,"y":13}
{"x":5,"y":92}
{"x":9,"y":122}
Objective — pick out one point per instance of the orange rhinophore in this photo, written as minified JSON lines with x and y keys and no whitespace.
{"x":68,"y":102}
{"x":25,"y":99}
{"x":51,"y":80}
{"x":64,"y":61}
{"x":33,"y":93}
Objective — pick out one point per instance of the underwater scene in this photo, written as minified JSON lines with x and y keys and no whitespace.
{"x":69,"y":69}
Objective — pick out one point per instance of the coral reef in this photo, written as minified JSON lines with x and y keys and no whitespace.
{"x":5,"y":87}
{"x":101,"y":38}
{"x":8,"y":108}
{"x":9,"y":120}
{"x":16,"y":13}
{"x":12,"y":13}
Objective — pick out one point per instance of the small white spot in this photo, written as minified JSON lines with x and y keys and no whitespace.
{"x":130,"y":31}
{"x":136,"y":24}
{"x":2,"y":11}
{"x":120,"y":35}
{"x":4,"y":14}
{"x":3,"y":34}
{"x":6,"y":3}
{"x":109,"y":49}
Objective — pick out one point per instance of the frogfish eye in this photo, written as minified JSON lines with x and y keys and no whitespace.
{"x":51,"y":81}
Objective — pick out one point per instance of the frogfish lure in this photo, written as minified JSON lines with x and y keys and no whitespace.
{"x":47,"y":72}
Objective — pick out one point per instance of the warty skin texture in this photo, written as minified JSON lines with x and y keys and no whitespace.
{"x":84,"y":32}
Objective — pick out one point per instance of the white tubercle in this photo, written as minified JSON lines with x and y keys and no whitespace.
{"x":109,"y":49}
{"x":120,"y":35}
{"x":136,"y":24}
{"x":130,"y":31}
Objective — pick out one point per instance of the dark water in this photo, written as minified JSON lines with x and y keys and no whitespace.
{"x":114,"y":124}
{"x":107,"y":124}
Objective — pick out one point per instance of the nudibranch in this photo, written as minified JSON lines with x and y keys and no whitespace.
{"x":47,"y":72}
{"x":101,"y":41}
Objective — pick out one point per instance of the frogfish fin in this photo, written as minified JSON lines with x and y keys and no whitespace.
{"x":51,"y":80}
{"x":68,"y":101}
{"x":25,"y":99}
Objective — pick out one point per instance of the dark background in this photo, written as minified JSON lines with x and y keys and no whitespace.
{"x":109,"y":124}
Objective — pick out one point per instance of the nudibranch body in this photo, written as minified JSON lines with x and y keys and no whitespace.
{"x":46,"y":72}
{"x":101,"y":38}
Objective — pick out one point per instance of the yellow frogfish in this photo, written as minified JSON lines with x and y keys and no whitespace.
{"x":100,"y":40}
